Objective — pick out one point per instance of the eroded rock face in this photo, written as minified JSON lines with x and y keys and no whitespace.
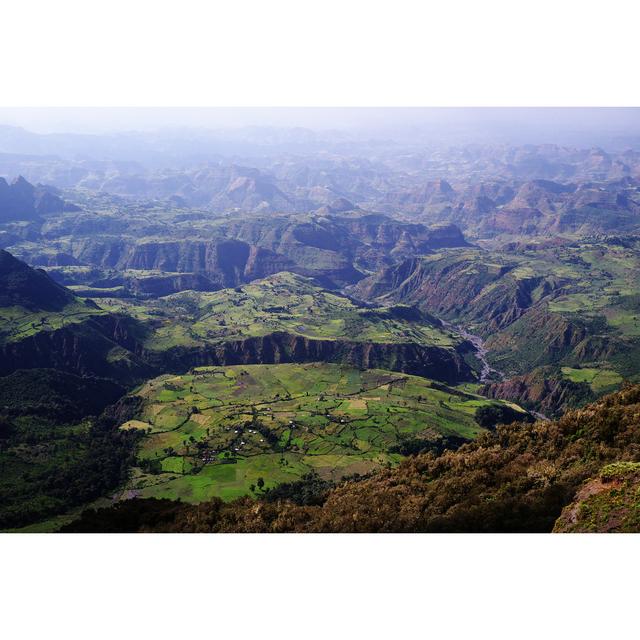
{"x":459,"y":287}
{"x":334,"y":249}
{"x":543,"y":390}
{"x":112,"y":346}
{"x":164,"y":285}
{"x":540,"y":338}
{"x":226,"y":263}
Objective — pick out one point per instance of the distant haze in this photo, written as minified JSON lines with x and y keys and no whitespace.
{"x":518,"y":125}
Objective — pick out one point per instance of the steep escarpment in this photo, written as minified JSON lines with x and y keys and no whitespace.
{"x":289,"y":318}
{"x":445,"y":365}
{"x":444,"y":285}
{"x":540,"y":337}
{"x":499,"y":306}
{"x":166,"y":284}
{"x":343,"y":233}
{"x":80,"y":337}
{"x":226,"y":263}
{"x":338,"y":248}
{"x":388,"y":234}
{"x":336,"y":242}
{"x":99,"y":283}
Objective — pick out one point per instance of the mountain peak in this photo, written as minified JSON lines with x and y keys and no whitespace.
{"x":21,"y":182}
{"x":341,"y":204}
{"x":20,"y":200}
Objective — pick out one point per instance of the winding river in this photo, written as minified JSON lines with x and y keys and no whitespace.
{"x":487,"y":371}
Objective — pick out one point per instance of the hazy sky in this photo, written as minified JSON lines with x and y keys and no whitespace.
{"x":101,"y":120}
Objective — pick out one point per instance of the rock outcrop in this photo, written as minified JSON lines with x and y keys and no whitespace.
{"x":608,"y":503}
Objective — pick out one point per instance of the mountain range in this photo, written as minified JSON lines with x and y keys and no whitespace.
{"x":303,"y":332}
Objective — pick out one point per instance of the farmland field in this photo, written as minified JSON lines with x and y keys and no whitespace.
{"x":600,"y":380}
{"x":218,"y":430}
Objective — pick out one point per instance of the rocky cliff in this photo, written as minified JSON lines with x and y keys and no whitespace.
{"x":82,"y":349}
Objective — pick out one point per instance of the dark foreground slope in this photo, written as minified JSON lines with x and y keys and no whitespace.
{"x":516,"y":479}
{"x":32,"y":289}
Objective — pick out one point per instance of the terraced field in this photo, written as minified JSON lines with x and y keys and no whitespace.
{"x":219,"y":430}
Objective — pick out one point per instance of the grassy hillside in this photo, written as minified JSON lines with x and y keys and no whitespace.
{"x":217,"y":431}
{"x":18,"y":323}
